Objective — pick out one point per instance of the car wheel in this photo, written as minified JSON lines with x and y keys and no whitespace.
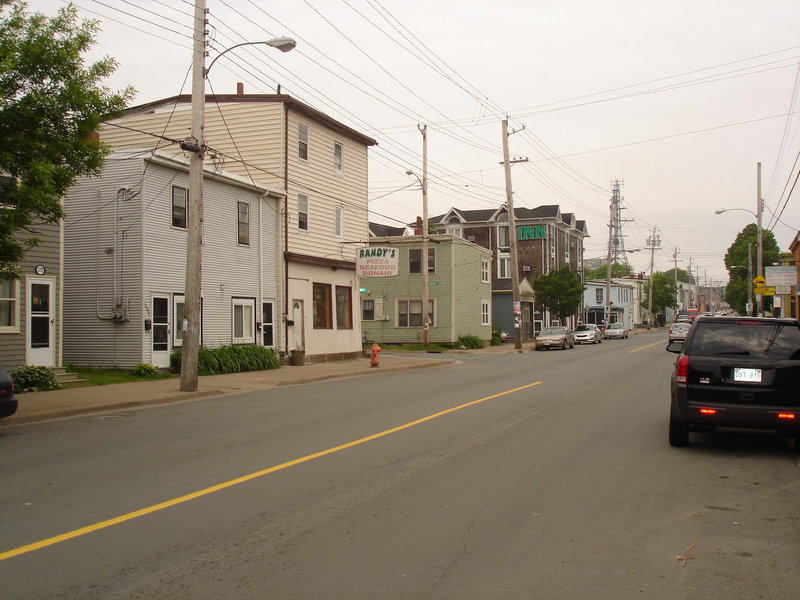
{"x":564,"y":346}
{"x":678,"y":432}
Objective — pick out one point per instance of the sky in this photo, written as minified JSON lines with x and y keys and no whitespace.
{"x":678,"y":101}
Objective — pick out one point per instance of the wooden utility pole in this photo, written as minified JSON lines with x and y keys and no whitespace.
{"x":512,"y":235}
{"x":760,"y":243}
{"x":652,"y":243}
{"x":607,"y":309}
{"x":425,"y":284}
{"x":194,"y":208}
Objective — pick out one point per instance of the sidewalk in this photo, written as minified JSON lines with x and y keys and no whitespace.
{"x":40,"y":406}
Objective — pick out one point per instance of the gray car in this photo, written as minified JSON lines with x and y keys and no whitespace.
{"x":616,"y":331}
{"x":588,"y":334}
{"x":554,"y":337}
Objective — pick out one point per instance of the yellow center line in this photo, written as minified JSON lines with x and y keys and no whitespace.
{"x":648,"y":346}
{"x":239,"y":480}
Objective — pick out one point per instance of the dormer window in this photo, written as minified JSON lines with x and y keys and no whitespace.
{"x":453,"y":227}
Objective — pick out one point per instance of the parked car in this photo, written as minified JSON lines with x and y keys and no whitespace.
{"x":740,"y":372}
{"x":678,"y":331}
{"x":587,"y":334}
{"x":554,"y":337}
{"x":616,"y":331}
{"x":8,"y":403}
{"x":684,"y":318}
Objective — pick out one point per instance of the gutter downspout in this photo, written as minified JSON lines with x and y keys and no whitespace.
{"x":285,"y":229}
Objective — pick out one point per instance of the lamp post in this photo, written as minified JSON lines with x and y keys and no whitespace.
{"x":424,"y":268}
{"x":194,"y":225}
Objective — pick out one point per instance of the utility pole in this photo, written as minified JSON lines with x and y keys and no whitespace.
{"x":512,"y":235}
{"x":750,"y":279}
{"x":677,"y":290}
{"x":194,"y":217}
{"x":652,"y":243}
{"x":425,"y":284}
{"x":607,"y":309}
{"x":760,"y":242}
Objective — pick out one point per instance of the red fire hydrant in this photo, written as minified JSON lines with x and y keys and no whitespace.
{"x":374,"y":356}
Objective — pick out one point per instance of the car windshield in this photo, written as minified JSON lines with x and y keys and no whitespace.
{"x":680,"y":326}
{"x":615,"y":326}
{"x":583,"y":328}
{"x":552,"y":331}
{"x":747,"y":338}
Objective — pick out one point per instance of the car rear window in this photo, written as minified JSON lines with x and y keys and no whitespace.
{"x":778,"y":341}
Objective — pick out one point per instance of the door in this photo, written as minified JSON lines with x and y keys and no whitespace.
{"x":160,"y":332}
{"x":40,"y":336}
{"x":298,"y":337}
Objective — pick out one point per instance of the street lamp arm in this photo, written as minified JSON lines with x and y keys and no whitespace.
{"x":724,"y":210}
{"x":284,"y":44}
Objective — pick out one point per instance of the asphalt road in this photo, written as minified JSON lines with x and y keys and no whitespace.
{"x":535,"y":475}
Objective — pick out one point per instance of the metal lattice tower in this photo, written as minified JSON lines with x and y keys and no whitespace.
{"x":618,"y":254}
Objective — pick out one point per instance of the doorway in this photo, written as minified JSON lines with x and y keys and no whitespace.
{"x":160,"y":332}
{"x":298,"y":333}
{"x":40,"y":338}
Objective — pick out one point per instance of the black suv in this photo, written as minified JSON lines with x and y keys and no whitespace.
{"x":741,"y":372}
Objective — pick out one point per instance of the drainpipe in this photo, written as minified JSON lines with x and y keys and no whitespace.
{"x":285,"y":229}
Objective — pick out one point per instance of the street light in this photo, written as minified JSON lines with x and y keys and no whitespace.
{"x":759,"y":246}
{"x":423,"y":183}
{"x":194,"y":225}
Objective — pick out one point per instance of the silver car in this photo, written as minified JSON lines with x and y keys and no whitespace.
{"x":616,"y":331}
{"x":554,"y":337}
{"x":588,"y":334}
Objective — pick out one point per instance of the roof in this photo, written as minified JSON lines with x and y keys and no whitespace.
{"x":259,"y":98}
{"x":381,"y":230}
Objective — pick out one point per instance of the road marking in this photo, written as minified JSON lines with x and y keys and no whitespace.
{"x":643,"y":347}
{"x":243,"y":479}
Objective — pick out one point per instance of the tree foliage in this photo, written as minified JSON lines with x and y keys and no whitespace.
{"x":617,"y":270}
{"x":560,"y":292}
{"x":664,"y":292}
{"x":683,"y":276}
{"x":51,"y":104}
{"x":743,"y":253}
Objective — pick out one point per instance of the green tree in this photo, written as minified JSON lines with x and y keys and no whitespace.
{"x":683,"y":276}
{"x":736,"y":293}
{"x":736,"y":259}
{"x":51,"y":104}
{"x":560,"y":292}
{"x":664,"y":292}
{"x":617,"y":270}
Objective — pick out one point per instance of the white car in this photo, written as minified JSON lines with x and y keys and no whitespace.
{"x":616,"y":330}
{"x":588,"y":334}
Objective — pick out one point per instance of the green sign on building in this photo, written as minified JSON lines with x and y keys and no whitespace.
{"x":531,"y":232}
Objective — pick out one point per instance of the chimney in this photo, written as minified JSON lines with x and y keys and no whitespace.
{"x":418,"y":226}
{"x":239,"y":89}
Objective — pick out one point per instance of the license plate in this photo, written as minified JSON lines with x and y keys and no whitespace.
{"x":751,"y":375}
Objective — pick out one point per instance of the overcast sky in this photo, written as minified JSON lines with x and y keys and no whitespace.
{"x":678,"y":100}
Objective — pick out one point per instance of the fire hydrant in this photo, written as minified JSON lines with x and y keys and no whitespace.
{"x":373,"y":362}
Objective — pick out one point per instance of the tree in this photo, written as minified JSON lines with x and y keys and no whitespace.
{"x":664,"y":290}
{"x":51,"y":105}
{"x":617,"y":270}
{"x":736,"y":259}
{"x":683,"y":276}
{"x":560,"y":292}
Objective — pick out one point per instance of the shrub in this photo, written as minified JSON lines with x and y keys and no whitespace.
{"x":145,"y":370}
{"x":228,"y":359}
{"x":497,"y":332}
{"x":471,"y":342}
{"x":41,"y":379}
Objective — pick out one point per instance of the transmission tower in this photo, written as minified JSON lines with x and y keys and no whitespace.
{"x":618,"y":254}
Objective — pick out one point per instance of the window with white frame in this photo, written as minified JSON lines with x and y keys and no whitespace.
{"x":268,"y":324}
{"x":243,"y":223}
{"x":372,"y":309}
{"x":503,"y":242}
{"x":415,"y":260}
{"x":244,"y":312}
{"x":453,"y":227}
{"x":9,"y":306}
{"x":484,"y":270}
{"x":598,"y":295}
{"x":338,"y":222}
{"x":503,"y":266}
{"x":179,"y":206}
{"x":338,"y":158}
{"x":409,"y":312}
{"x":302,"y":212}
{"x":302,"y":141}
{"x":484,"y":312}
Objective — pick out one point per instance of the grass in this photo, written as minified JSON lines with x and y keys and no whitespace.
{"x":108,"y":376}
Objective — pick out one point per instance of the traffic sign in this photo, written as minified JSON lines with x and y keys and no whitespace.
{"x":759,"y":280}
{"x":764,"y":290}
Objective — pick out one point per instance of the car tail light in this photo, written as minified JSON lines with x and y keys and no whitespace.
{"x":682,"y":369}
{"x":786,"y":416}
{"x":708,"y":411}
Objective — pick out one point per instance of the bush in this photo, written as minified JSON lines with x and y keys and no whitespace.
{"x":41,"y":379}
{"x":145,"y":370}
{"x":497,"y":333}
{"x":471,"y":342}
{"x":228,"y":359}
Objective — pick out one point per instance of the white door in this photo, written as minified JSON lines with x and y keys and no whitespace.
{"x":298,"y":337}
{"x":160,"y":332}
{"x":40,"y":329}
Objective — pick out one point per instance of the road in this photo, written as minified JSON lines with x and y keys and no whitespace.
{"x":534,"y":475}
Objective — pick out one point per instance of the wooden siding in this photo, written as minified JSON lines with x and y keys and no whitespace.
{"x":469,"y":291}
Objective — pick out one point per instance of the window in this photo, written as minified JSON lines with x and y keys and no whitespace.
{"x":503,"y":266}
{"x":453,"y":227}
{"x":484,"y":270}
{"x":409,"y":313}
{"x":338,"y":157}
{"x":268,"y":324}
{"x":302,"y":212}
{"x":484,"y":312}
{"x":244,"y":311}
{"x":503,"y":242}
{"x":322,"y":306}
{"x":302,"y":141}
{"x":244,"y":223}
{"x":598,"y":295}
{"x":9,"y":306}
{"x":338,"y":222}
{"x":372,"y":309}
{"x":415,"y":260}
{"x":179,"y":197}
{"x":344,"y":307}
{"x":178,"y":309}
